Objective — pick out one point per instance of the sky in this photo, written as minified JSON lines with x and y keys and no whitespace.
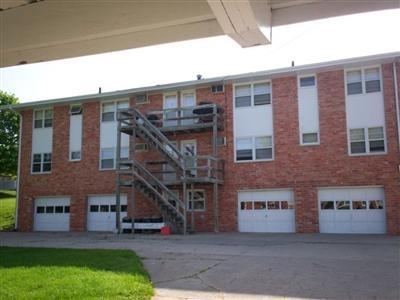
{"x":304,"y":43}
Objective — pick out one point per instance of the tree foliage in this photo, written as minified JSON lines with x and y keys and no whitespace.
{"x":9,"y":135}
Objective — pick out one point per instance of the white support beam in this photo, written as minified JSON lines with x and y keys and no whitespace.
{"x":247,"y":22}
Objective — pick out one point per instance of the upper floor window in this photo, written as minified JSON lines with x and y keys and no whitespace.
{"x":41,"y":163}
{"x":367,"y":140}
{"x":252,"y":94}
{"x":254,"y":148}
{"x":109,"y":110}
{"x":363,"y":81}
{"x":43,"y":118}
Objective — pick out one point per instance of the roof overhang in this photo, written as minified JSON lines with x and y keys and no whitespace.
{"x":42,"y":30}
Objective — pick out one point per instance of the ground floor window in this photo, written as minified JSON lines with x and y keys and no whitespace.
{"x":196,"y":200}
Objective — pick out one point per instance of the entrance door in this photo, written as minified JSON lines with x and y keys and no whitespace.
{"x":189,"y":150}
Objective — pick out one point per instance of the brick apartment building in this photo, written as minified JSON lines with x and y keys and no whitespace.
{"x":303,"y":149}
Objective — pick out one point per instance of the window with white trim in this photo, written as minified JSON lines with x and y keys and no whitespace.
{"x":363,"y":81}
{"x":109,"y":110}
{"x":196,"y":200}
{"x":108,"y":157}
{"x":41,"y":163}
{"x":252,"y":94}
{"x":43,"y":118}
{"x":254,"y":148}
{"x":367,"y":140}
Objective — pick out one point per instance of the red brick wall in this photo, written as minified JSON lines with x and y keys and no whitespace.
{"x":302,"y":168}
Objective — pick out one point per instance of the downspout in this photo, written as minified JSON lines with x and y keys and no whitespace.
{"x":19,"y":165}
{"x":396,"y":93}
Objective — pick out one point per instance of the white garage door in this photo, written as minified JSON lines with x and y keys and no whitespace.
{"x":102,"y":212}
{"x":266,"y":211}
{"x":51,"y":214}
{"x":352,"y":210}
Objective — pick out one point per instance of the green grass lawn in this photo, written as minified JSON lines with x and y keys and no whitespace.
{"x":42,"y":273}
{"x":7,"y":210}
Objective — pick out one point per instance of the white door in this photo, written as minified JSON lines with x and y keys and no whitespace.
{"x":101,"y":214}
{"x":352,"y":210}
{"x":51,"y":214}
{"x":188,"y":100}
{"x":189,"y":150}
{"x":170,"y":109}
{"x":266,"y":211}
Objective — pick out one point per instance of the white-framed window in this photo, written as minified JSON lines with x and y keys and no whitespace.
{"x":109,"y":110}
{"x":41,"y":163}
{"x":196,"y":200}
{"x":367,"y":140}
{"x":252,"y":94}
{"x":308,"y":110}
{"x":75,"y":155}
{"x":43,"y":118}
{"x":363,"y":81}
{"x":310,"y":138}
{"x":254,"y":148}
{"x":108,"y":157}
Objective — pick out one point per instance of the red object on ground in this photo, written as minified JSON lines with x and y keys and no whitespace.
{"x":166,"y":230}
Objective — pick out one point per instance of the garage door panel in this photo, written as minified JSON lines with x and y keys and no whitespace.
{"x":52,"y":214}
{"x":352,"y":210}
{"x":266,"y":211}
{"x":101,"y":215}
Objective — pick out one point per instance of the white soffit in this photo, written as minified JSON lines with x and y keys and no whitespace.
{"x":247,"y":22}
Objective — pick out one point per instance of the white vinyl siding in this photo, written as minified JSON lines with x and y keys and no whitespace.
{"x":42,"y":141}
{"x":253,"y":122}
{"x":75,"y":133}
{"x":365,"y":112}
{"x":108,"y":134}
{"x":308,"y":110}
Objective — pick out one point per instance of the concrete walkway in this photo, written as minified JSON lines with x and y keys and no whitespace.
{"x":251,"y":266}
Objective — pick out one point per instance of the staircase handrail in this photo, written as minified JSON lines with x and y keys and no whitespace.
{"x":154,"y":179}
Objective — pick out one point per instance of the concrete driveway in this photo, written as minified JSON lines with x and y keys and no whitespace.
{"x":251,"y":266}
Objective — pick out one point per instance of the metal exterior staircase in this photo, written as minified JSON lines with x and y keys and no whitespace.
{"x":132,"y":173}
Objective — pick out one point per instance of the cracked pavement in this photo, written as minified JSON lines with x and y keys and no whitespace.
{"x":250,"y":266}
